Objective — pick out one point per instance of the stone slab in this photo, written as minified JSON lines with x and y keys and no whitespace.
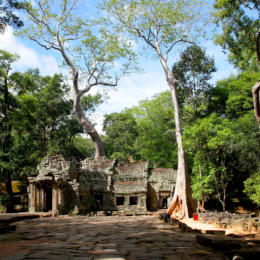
{"x":20,"y":256}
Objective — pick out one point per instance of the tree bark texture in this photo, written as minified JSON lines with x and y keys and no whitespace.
{"x":255,"y":90}
{"x":6,"y":172}
{"x":202,"y":193}
{"x":84,"y":122}
{"x":182,"y":204}
{"x":9,"y":191}
{"x":6,"y":139}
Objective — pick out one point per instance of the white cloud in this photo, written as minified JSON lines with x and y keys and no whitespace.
{"x":28,"y":57}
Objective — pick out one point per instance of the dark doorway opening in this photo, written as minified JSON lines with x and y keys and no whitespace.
{"x":120,"y":201}
{"x":164,"y":203}
{"x":17,"y":200}
{"x":48,"y":199}
{"x":133,"y":201}
{"x":98,"y":201}
{"x":99,"y":198}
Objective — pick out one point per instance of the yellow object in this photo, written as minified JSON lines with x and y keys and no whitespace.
{"x":17,"y":187}
{"x":129,"y":158}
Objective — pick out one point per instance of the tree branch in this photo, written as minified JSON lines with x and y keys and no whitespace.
{"x":176,"y":42}
{"x":142,"y":36}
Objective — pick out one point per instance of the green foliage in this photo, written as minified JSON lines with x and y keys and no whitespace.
{"x":240,"y":31}
{"x":47,"y":110}
{"x":36,"y":120}
{"x":155,"y":120}
{"x":252,"y":187}
{"x":239,"y":89}
{"x":8,"y":16}
{"x":224,"y":144}
{"x":101,"y":57}
{"x":4,"y":200}
{"x":82,"y":148}
{"x":8,"y":108}
{"x":121,"y":134}
{"x":193,"y":71}
{"x":89,"y":102}
{"x":209,"y":139}
{"x":247,"y":61}
{"x":158,"y":21}
{"x":145,"y":132}
{"x":202,"y":186}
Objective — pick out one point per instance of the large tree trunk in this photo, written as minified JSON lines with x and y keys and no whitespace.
{"x":9,"y":191}
{"x":85,"y":123}
{"x":182,"y":204}
{"x":6,"y":172}
{"x":202,"y":193}
{"x":255,"y":90}
{"x":5,"y":142}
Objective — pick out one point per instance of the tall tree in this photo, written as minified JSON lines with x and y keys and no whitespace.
{"x":224,"y":143}
{"x":90,"y":57}
{"x":161,"y":25}
{"x":193,"y":70}
{"x":8,"y":106}
{"x":240,"y":21}
{"x":209,"y":139}
{"x":52,"y":107}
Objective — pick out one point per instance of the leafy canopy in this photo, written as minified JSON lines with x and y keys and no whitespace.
{"x":121,"y":134}
{"x":85,"y":46}
{"x":193,"y":71}
{"x":240,"y":23}
{"x":160,"y":24}
{"x":8,"y":9}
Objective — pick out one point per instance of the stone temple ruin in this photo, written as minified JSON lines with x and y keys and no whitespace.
{"x":64,"y":185}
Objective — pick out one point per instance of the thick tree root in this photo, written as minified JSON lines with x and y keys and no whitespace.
{"x":176,"y":209}
{"x":179,"y":211}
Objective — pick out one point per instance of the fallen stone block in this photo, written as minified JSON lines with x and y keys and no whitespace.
{"x":219,"y":243}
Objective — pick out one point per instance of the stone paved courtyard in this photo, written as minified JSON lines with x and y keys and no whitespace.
{"x":90,"y":238}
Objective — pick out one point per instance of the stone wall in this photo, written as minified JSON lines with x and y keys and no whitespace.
{"x":161,"y":185}
{"x":55,"y":188}
{"x":130,"y":183}
{"x":96,"y":177}
{"x":73,"y":186}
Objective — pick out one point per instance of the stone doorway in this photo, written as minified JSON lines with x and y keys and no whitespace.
{"x":164,"y":203}
{"x":48,"y":200}
{"x":164,"y":199}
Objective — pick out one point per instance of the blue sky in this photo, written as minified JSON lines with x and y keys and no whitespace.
{"x":130,"y":89}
